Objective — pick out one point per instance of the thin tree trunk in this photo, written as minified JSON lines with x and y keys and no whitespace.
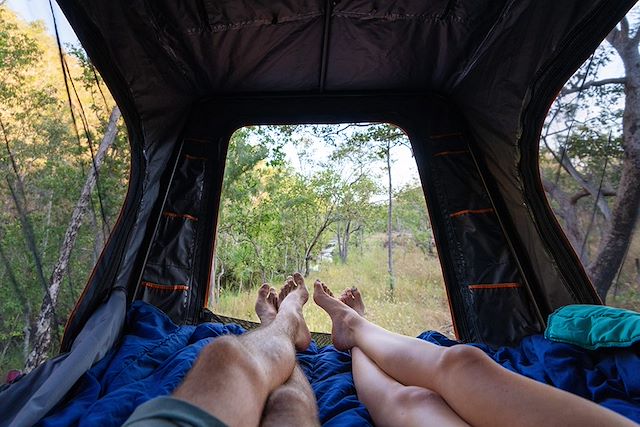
{"x":568,"y":211}
{"x":218,"y":285}
{"x":24,"y":302}
{"x":389,"y":212}
{"x":26,"y":344}
{"x":20,"y":202}
{"x":42,"y":336}
{"x":339,"y":239}
{"x":98,"y":243}
{"x":9,"y":341}
{"x":344,"y":252}
{"x":45,"y":240}
{"x":314,"y":241}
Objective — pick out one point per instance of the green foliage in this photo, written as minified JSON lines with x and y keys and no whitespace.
{"x":419,"y":304}
{"x":269,"y":213}
{"x":411,"y":218}
{"x":51,"y":165}
{"x":277,"y":218}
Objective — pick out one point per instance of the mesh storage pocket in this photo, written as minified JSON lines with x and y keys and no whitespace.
{"x":186,"y":190}
{"x":507,"y":305}
{"x":170,"y":298}
{"x":167,"y":276}
{"x":175,"y":241}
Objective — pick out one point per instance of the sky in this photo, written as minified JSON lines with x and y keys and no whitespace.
{"x":32,"y":10}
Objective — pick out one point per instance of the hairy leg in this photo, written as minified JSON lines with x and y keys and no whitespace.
{"x":293,"y":403}
{"x":482,"y":392}
{"x":233,"y":377}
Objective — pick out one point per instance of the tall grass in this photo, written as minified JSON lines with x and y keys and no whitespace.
{"x":418,"y":302}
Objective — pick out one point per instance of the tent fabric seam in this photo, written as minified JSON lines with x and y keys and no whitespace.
{"x":219,"y":28}
{"x":432,"y":17}
{"x":495,"y":286}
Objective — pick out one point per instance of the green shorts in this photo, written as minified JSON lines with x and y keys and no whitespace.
{"x":165,"y":411}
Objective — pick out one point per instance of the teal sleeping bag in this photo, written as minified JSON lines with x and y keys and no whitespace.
{"x":594,"y":326}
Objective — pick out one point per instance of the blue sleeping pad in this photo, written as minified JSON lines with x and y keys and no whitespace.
{"x":154,"y":355}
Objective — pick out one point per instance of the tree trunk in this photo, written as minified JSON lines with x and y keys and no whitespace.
{"x":389,"y":212}
{"x":219,"y":283}
{"x":24,"y":302}
{"x":42,"y":336}
{"x":98,"y":243}
{"x":339,"y":240}
{"x":314,"y":241}
{"x":45,"y":240}
{"x":614,"y":245}
{"x":345,"y":243}
{"x":567,"y":210}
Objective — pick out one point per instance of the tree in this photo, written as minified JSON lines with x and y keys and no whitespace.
{"x":42,"y":336}
{"x":46,"y":159}
{"x":353,"y":211}
{"x":411,"y":217}
{"x":608,"y":150}
{"x":375,"y":143}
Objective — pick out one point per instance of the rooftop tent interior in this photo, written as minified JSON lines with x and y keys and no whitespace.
{"x":470,"y":82}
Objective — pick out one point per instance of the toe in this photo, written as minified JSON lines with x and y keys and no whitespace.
{"x":318,"y":289}
{"x":327,"y":290}
{"x":264,"y":290}
{"x":298,"y":279}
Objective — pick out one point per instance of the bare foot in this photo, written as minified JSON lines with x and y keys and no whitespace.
{"x":353,"y":298}
{"x":342,"y":316}
{"x":293,"y":296}
{"x":286,"y":288}
{"x":267,"y":304}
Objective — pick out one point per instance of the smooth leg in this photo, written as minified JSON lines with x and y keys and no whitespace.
{"x":393,"y":404}
{"x":482,"y":392}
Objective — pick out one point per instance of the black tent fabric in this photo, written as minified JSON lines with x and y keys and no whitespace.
{"x":493,"y":67}
{"x":470,"y":82}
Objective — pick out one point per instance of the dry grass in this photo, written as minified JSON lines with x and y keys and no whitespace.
{"x":419,"y":301}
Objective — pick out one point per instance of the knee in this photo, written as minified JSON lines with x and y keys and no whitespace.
{"x":408,"y":397}
{"x":291,"y":397}
{"x":228,"y":355}
{"x":461,"y":356}
{"x":225,"y":348}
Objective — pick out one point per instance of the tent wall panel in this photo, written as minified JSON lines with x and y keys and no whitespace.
{"x":499,"y":63}
{"x":488,"y":283}
{"x":167,"y":280}
{"x":469,"y":237}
